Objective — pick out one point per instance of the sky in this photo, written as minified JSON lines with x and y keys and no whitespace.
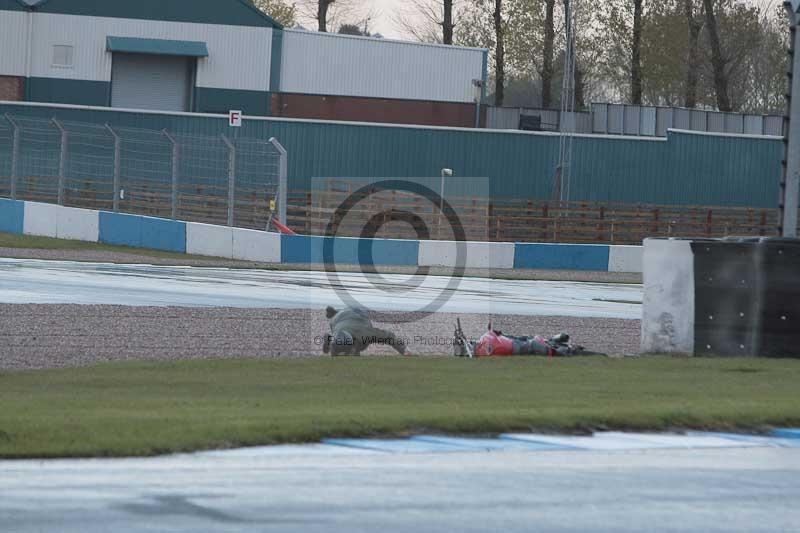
{"x":381,"y":21}
{"x":384,"y":11}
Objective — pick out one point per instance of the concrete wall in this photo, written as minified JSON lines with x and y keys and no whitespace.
{"x":50,"y":220}
{"x":475,"y":254}
{"x":668,"y":304}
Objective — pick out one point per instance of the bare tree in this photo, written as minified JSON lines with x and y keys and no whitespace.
{"x":695,"y":26}
{"x":322,"y":14}
{"x":430,"y":21}
{"x":718,"y":61}
{"x":499,"y":73}
{"x":636,"y":54}
{"x":447,"y":22}
{"x":547,"y":49}
{"x":329,"y":13}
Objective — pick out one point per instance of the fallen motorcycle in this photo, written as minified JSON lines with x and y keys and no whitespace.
{"x":495,"y":344}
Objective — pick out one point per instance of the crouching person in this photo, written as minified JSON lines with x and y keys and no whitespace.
{"x":352,"y":332}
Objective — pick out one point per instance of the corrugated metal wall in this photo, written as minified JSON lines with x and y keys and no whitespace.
{"x":507,"y":118}
{"x":651,"y":121}
{"x":682,"y":169}
{"x":324,"y":63}
{"x":239,"y":55}
{"x":13,"y":42}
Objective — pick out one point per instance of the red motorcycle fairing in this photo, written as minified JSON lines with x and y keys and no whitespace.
{"x":495,"y":344}
{"x":491,"y":344}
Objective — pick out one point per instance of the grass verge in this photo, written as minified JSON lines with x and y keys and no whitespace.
{"x":145,"y":408}
{"x":30,"y":242}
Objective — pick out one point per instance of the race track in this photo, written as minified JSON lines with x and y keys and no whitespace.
{"x":319,"y":489}
{"x":27,"y":281}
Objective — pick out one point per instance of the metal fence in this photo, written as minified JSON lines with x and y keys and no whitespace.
{"x":640,"y":121}
{"x":511,"y":118}
{"x":215,"y":179}
{"x":651,"y":121}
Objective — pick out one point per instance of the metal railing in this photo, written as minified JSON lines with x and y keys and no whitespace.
{"x":219,"y":179}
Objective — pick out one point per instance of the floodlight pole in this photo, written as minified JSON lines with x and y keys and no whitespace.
{"x":790,"y":180}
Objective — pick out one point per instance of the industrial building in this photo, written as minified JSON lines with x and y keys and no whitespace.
{"x":210,"y":56}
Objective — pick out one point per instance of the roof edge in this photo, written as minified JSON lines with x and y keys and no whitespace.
{"x":247,"y":3}
{"x":275,"y":24}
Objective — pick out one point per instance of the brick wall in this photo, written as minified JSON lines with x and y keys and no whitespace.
{"x":10,"y":88}
{"x":390,"y":111}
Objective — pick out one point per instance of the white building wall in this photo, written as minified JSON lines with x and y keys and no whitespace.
{"x":13,"y":42}
{"x":239,"y":56}
{"x":331,"y":64}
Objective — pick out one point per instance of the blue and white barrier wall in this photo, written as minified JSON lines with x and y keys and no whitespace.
{"x":49,"y":220}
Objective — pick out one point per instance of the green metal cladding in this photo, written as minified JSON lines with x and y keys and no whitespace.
{"x":230,"y":12}
{"x":12,"y":5}
{"x":137,"y":45}
{"x":65,"y":91}
{"x":686,"y":169}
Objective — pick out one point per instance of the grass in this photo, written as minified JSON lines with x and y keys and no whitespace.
{"x":9,"y":240}
{"x":145,"y":408}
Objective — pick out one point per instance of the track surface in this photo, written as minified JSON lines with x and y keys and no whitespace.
{"x":65,"y":282}
{"x":716,"y":490}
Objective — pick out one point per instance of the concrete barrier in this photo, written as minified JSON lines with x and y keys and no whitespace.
{"x":498,"y":255}
{"x":210,"y":240}
{"x":120,"y":229}
{"x":41,"y":219}
{"x":255,"y":245}
{"x":77,"y":224}
{"x":625,"y":258}
{"x":163,"y":234}
{"x":668,"y":304}
{"x":12,"y":216}
{"x":349,"y":251}
{"x":561,"y":256}
{"x":137,"y":231}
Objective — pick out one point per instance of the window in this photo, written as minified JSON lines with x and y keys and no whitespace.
{"x":62,"y":55}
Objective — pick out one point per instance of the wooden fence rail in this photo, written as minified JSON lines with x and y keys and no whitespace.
{"x":482,"y":219}
{"x":524,"y":220}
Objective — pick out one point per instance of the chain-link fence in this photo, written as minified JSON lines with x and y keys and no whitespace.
{"x":221,"y":179}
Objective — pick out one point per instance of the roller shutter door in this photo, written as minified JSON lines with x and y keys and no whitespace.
{"x":161,"y":82}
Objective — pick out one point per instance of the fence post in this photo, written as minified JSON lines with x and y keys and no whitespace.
{"x":117,"y":166}
{"x":175,"y":160}
{"x":231,"y":178}
{"x":283,"y":166}
{"x":62,"y":161}
{"x":14,"y":156}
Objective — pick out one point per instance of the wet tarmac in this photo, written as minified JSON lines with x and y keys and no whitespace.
{"x":336,"y":489}
{"x":67,"y":282}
